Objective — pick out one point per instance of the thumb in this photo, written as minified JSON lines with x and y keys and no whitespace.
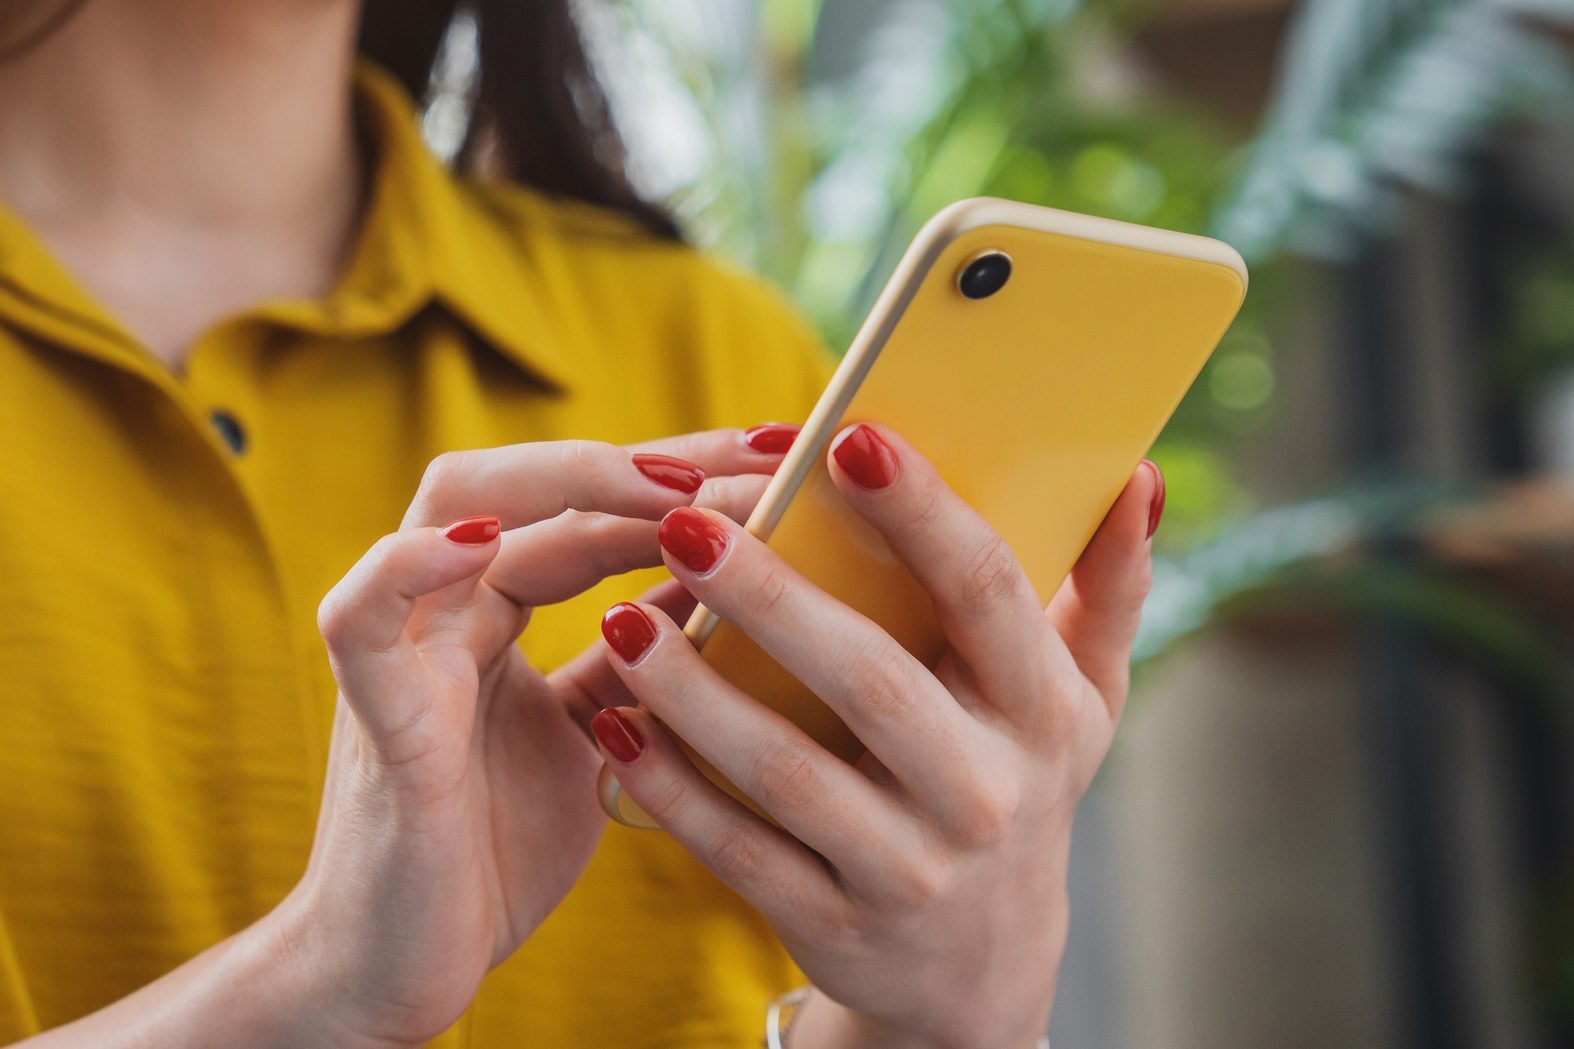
{"x":1097,"y":609}
{"x":364,"y":618}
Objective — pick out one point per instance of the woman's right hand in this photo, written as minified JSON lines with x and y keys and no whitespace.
{"x":460,"y":803}
{"x":460,"y":798}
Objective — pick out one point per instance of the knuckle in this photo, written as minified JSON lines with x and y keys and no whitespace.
{"x":337,"y":612}
{"x":990,"y":575}
{"x":592,"y":457}
{"x":768,"y":592}
{"x":924,"y":514}
{"x":1142,"y":583}
{"x":733,"y":496}
{"x":599,"y":540}
{"x":688,"y":445}
{"x":579,"y":453}
{"x":822,"y":925}
{"x":442,"y":471}
{"x":1060,"y":713}
{"x":835,"y":925}
{"x":784,"y":775}
{"x":608,"y":552}
{"x":376,"y":565}
{"x":1123,"y":603}
{"x":989,"y":813}
{"x":737,"y":854}
{"x":666,"y":799}
{"x":921,"y":882}
{"x":593,"y":466}
{"x":333,"y":618}
{"x":1120,"y":680}
{"x":882,"y":674}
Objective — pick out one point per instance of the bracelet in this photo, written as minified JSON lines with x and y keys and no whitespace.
{"x":779,"y":1016}
{"x":782,"y":1011}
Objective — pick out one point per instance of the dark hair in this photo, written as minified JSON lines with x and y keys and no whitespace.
{"x":539,"y":114}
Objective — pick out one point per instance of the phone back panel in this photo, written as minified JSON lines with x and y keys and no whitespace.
{"x":1035,"y":404}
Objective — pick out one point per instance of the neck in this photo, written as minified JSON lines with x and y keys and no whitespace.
{"x":188,"y":127}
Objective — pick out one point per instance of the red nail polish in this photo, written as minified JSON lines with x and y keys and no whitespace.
{"x":670,"y":471}
{"x":693,"y":538}
{"x":472,"y":531}
{"x":1155,"y":508}
{"x":864,"y":457}
{"x":628,"y":630}
{"x":618,"y":735}
{"x":771,"y":438}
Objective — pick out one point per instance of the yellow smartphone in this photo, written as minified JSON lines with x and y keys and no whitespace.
{"x":1033,"y":356}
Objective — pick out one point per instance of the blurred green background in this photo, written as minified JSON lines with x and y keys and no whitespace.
{"x":808,"y":140}
{"x":1341,"y":812}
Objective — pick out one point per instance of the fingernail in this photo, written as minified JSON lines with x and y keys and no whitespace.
{"x":1155,"y":508}
{"x":771,"y":438}
{"x":472,"y":531}
{"x":618,"y":735}
{"x":670,"y":471}
{"x":693,"y":538}
{"x":628,"y":630}
{"x":864,"y":457}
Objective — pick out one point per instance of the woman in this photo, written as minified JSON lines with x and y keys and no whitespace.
{"x":245,"y":315}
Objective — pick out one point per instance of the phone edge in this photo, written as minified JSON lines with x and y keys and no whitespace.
{"x":818,"y":429}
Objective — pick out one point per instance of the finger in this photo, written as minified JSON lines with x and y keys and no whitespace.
{"x":786,"y":882}
{"x":982,"y":597}
{"x":526,"y":483}
{"x":889,"y":700}
{"x":588,"y":681}
{"x":364,"y":618}
{"x":1097,"y":610}
{"x":757,"y":450}
{"x":814,"y":795}
{"x":552,"y":561}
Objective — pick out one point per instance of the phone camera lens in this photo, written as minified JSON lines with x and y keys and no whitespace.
{"x":984,"y":275}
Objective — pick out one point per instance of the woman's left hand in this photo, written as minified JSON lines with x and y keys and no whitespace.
{"x":922,"y":890}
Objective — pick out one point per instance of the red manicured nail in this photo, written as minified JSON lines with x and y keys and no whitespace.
{"x":472,"y":531}
{"x":628,"y":630}
{"x":1155,"y":508}
{"x":771,"y":438}
{"x":618,"y":735}
{"x":867,"y":459}
{"x":693,"y":538}
{"x":670,"y":471}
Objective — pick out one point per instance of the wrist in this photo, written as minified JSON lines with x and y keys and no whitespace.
{"x":309,"y":993}
{"x":823,"y":1023}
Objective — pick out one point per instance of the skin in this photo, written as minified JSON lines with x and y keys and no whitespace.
{"x":460,"y":803}
{"x":188,"y":159}
{"x":956,"y":826}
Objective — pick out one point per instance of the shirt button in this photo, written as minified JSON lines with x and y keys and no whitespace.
{"x":229,"y":429}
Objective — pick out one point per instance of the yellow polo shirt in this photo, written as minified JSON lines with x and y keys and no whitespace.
{"x":164,"y":699}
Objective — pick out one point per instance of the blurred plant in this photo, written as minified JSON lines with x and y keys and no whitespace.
{"x":1373,"y":97}
{"x":817,"y":176}
{"x":1373,"y":94}
{"x":1541,"y":335}
{"x":1317,"y":555}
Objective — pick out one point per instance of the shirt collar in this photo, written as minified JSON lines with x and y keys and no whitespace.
{"x":426,"y":236}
